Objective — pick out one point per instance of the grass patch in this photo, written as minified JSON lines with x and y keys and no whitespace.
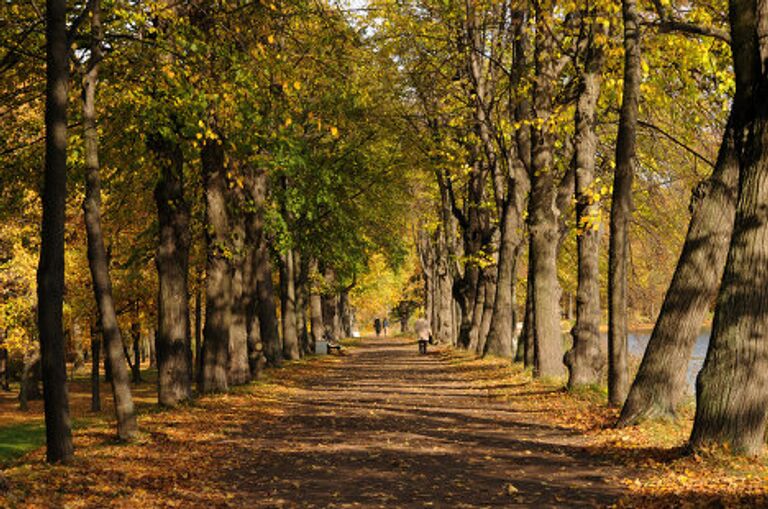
{"x":19,"y":439}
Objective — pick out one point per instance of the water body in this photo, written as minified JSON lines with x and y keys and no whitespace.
{"x":638,"y":341}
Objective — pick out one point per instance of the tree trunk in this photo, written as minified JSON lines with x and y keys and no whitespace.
{"x":488,"y":304}
{"x":444,"y":327}
{"x":50,"y":272}
{"x":267,"y":310}
{"x":477,"y":310}
{"x":173,"y":353}
{"x":5,"y":369}
{"x":152,"y":339}
{"x":661,"y":380}
{"x":253,"y":238}
{"x":29,"y":390}
{"x":330,"y":315}
{"x":301,"y":269}
{"x":256,"y":359}
{"x":288,"y":306}
{"x":732,"y":387}
{"x":585,"y":359}
{"x":95,"y":360}
{"x":198,"y":360}
{"x":621,"y":210}
{"x":543,"y":213}
{"x":501,"y":333}
{"x":345,"y":314}
{"x":238,"y":368}
{"x":218,"y":289}
{"x":315,"y":305}
{"x":136,"y":335}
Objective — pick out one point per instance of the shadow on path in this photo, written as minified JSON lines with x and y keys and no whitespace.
{"x":389,"y":428}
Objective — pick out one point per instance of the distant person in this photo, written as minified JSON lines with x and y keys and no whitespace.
{"x":385,"y":324}
{"x":423,"y":334}
{"x":377,"y":326}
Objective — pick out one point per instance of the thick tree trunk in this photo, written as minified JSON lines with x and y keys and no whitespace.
{"x":661,"y":380}
{"x":488,"y":304}
{"x":288,"y":306}
{"x":253,"y":237}
{"x":255,"y":347}
{"x":29,"y":389}
{"x":477,"y":311}
{"x":732,"y":387}
{"x":173,"y":353}
{"x":501,"y":333}
{"x":330,"y":315}
{"x":345,"y":314}
{"x":585,"y":359}
{"x":95,"y":360}
{"x":266,"y":308}
{"x":218,"y":290}
{"x":173,"y":349}
{"x":543,"y":212}
{"x":621,"y":210}
{"x":50,"y":272}
{"x":238,"y":369}
{"x":263,"y":301}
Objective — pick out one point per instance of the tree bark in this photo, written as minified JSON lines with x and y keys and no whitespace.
{"x":661,"y":380}
{"x":621,"y":210}
{"x":585,"y":359}
{"x":5,"y":369}
{"x":95,"y":360}
{"x":732,"y":387}
{"x":238,"y":368}
{"x":543,"y":212}
{"x":345,"y":314}
{"x":266,"y":311}
{"x":173,"y":349}
{"x":253,"y":234}
{"x":527,"y":339}
{"x":502,"y":327}
{"x":50,"y":272}
{"x":315,"y":305}
{"x":198,"y":357}
{"x":288,"y":303}
{"x":152,"y":340}
{"x":136,"y":336}
{"x":29,"y":389}
{"x":488,"y":305}
{"x":301,"y":272}
{"x":218,"y":290}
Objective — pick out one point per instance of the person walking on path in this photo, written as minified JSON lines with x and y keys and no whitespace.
{"x":423,"y":333}
{"x":385,"y":324}
{"x":377,"y":326}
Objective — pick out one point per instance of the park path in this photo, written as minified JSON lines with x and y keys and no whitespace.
{"x":386,"y":427}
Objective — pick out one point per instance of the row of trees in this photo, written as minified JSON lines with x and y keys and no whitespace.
{"x":531,"y":115}
{"x":235,"y":154}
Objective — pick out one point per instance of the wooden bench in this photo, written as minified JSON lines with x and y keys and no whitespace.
{"x":334,"y":346}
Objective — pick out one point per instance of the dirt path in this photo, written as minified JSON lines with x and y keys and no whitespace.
{"x":389,"y":428}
